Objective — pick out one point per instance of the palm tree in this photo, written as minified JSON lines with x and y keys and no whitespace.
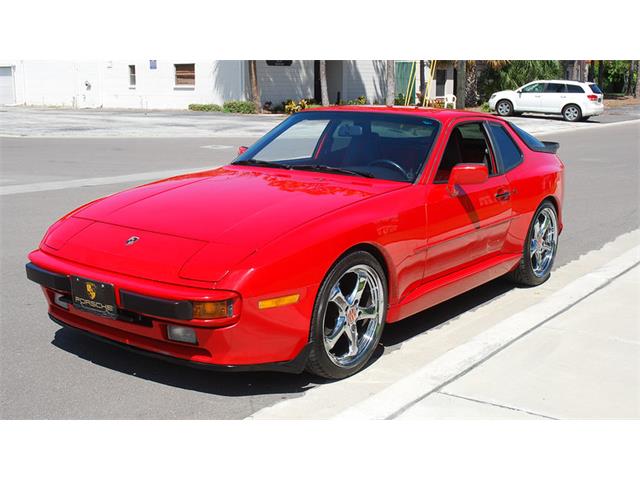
{"x":461,"y":81}
{"x":473,"y":70}
{"x":391,"y":82}
{"x":255,"y":89}
{"x":324,"y":93}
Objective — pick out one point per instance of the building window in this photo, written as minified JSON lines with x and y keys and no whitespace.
{"x":132,"y":75}
{"x":185,"y":74}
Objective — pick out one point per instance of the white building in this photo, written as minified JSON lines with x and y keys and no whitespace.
{"x":159,"y":84}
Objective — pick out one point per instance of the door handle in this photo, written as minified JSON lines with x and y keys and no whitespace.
{"x":503,"y":195}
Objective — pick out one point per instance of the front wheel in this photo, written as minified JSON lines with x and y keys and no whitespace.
{"x":540,"y":247}
{"x":348,"y":316}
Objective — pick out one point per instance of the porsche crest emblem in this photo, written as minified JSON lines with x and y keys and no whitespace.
{"x":91,"y":290}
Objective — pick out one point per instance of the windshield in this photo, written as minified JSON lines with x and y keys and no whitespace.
{"x":378,"y":145}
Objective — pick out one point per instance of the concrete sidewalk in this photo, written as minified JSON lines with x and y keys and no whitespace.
{"x":584,"y":363}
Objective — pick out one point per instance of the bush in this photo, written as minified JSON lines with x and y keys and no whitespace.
{"x":485,"y":107}
{"x":361,"y":100}
{"x":205,"y":107}
{"x":239,"y":106}
{"x":290,"y":106}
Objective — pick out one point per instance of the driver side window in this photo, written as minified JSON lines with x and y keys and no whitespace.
{"x":467,"y":143}
{"x":533,"y":88}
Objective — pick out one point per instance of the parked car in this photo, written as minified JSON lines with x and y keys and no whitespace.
{"x":573,"y":100}
{"x":297,"y":254}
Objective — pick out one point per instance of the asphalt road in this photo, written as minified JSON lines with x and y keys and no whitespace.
{"x":48,"y":372}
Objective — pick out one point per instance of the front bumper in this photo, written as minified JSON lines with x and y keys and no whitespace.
{"x":274,"y":340}
{"x":296,"y":365}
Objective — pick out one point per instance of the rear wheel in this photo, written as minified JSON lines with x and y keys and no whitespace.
{"x":540,"y":247}
{"x":571,"y":113}
{"x":348,"y":316}
{"x":504,"y":108}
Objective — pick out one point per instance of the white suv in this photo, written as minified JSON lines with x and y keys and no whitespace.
{"x":573,"y":100}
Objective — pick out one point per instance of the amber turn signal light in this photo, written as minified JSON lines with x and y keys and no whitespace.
{"x":208,"y":310}
{"x":278,"y":301}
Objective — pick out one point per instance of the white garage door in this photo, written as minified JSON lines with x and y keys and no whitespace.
{"x":7,"y":93}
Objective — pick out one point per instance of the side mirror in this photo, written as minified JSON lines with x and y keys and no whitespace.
{"x":467,"y":174}
{"x":241,"y":150}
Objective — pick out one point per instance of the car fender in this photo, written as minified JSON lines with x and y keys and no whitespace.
{"x":393,"y":224}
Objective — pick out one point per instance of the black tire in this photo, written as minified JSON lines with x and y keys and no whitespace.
{"x":504,"y":108}
{"x":569,"y":115}
{"x":524,"y":272}
{"x":319,"y":362}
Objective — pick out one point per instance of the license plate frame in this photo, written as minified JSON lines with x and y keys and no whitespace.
{"x":94,"y":296}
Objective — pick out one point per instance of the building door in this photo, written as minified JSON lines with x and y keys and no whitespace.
{"x":441,"y":80}
{"x":7,"y":86}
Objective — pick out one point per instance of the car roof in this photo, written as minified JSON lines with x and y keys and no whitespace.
{"x":570,"y":82}
{"x":441,"y":114}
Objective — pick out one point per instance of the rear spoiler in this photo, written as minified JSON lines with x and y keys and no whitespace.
{"x":533,"y":143}
{"x":549,"y":147}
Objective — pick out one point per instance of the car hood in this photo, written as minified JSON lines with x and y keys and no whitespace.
{"x":212,"y":219}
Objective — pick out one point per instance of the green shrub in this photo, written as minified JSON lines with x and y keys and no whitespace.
{"x":361,"y":100}
{"x":205,"y":107}
{"x":239,"y":106}
{"x":485,"y":107}
{"x":400,"y":99}
{"x":291,"y":106}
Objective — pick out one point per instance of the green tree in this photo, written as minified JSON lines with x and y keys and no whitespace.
{"x":516,"y":73}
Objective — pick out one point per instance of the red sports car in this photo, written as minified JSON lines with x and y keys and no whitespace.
{"x":296,"y":254}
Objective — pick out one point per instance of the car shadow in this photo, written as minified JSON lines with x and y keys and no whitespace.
{"x":557,"y":118}
{"x":236,"y":384}
{"x":435,"y":317}
{"x":231,"y":384}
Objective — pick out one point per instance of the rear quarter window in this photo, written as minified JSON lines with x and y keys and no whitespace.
{"x":509,"y":153}
{"x":595,"y":88}
{"x":574,"y":89}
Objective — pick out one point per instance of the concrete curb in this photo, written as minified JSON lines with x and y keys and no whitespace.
{"x":398,"y":397}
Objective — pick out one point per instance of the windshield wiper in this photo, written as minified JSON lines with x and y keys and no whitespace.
{"x":326,"y":168}
{"x":262,"y":163}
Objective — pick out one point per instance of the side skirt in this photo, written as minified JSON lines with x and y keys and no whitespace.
{"x":449,"y":286}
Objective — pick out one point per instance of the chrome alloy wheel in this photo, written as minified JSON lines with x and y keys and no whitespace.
{"x":544,"y":240}
{"x":571,"y":113}
{"x":354,"y":315}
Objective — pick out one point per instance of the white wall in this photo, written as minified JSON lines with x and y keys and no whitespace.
{"x":279,"y":82}
{"x":364,"y":77}
{"x":106,"y":84}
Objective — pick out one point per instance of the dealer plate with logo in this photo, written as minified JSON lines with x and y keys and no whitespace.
{"x":93,"y":296}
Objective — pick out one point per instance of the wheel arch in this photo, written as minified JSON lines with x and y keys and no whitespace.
{"x":378,"y":253}
{"x":556,"y":205}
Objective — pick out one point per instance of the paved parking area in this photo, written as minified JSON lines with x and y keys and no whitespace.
{"x":52,"y":122}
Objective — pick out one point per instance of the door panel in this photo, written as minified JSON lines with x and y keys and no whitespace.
{"x":530,"y":97}
{"x":553,"y":97}
{"x":472,"y":224}
{"x":465,"y":228}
